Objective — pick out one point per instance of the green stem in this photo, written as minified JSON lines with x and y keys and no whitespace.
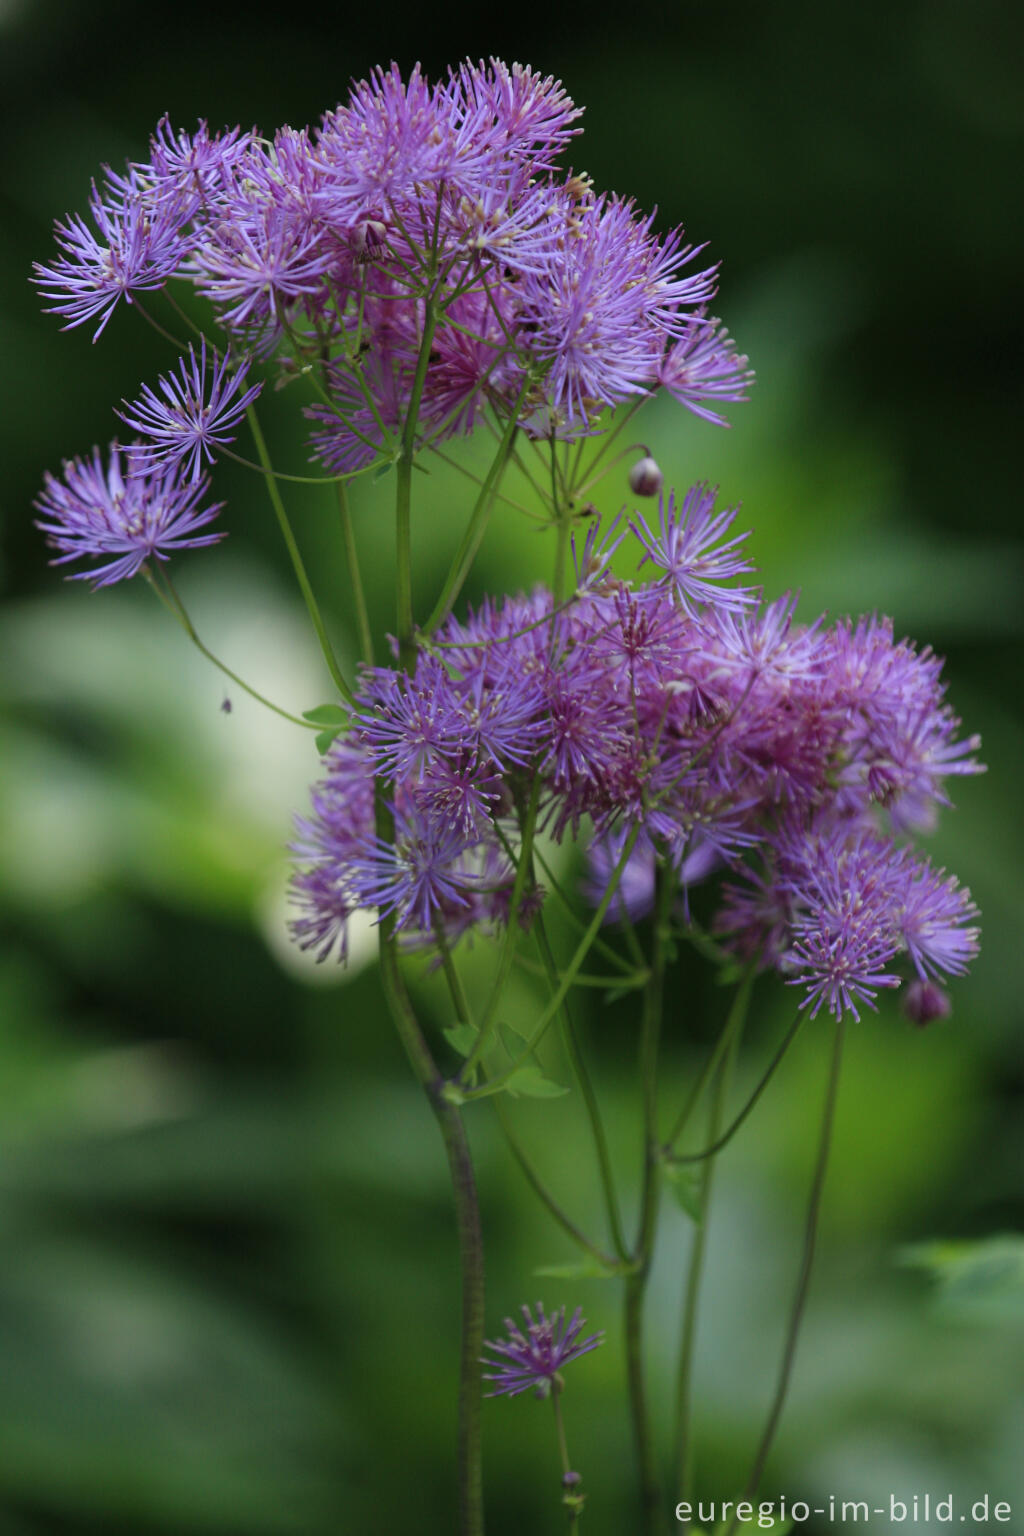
{"x":508,"y":948}
{"x":403,"y":490}
{"x":582,"y":979}
{"x":572,"y":1507}
{"x":296,"y":558}
{"x":806,"y":1266}
{"x":589,"y":1093}
{"x":566,"y":980}
{"x":683,"y":1439}
{"x":563,"y":516}
{"x":467,"y":1209}
{"x":734,"y":1022}
{"x":178,"y":611}
{"x":546,"y":1198}
{"x":569,"y":911}
{"x":653,"y":1515}
{"x":726,"y":1137}
{"x":477,"y":525}
{"x":517,"y":506}
{"x":352,"y":557}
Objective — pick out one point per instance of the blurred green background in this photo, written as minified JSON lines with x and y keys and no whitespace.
{"x":226,"y":1269}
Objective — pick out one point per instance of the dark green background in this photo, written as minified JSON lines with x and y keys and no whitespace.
{"x":226,"y":1273}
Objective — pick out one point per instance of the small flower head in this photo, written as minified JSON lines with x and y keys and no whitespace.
{"x":121,"y":515}
{"x":191,"y":415}
{"x":703,"y":366}
{"x":136,"y":247}
{"x":685,"y":550}
{"x":534,"y":1356}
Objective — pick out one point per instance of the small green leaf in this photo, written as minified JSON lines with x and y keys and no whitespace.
{"x":461,"y":1038}
{"x":327,"y":715}
{"x":685,"y":1184}
{"x":323,"y":740}
{"x":512,"y":1041}
{"x":587,"y":1269}
{"x":531,"y":1082}
{"x":453,"y":1093}
{"x":976,"y":1281}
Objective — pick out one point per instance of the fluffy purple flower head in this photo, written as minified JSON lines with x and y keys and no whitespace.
{"x":191,"y":168}
{"x":533,"y":1357}
{"x":600,"y":314}
{"x":192,"y":414}
{"x":419,"y":873}
{"x":703,"y":366}
{"x":136,"y":247}
{"x":260,"y":259}
{"x":121,"y":512}
{"x":936,"y":923}
{"x":685,"y":549}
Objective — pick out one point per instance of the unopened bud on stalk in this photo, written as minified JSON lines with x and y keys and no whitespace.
{"x":925,"y":1001}
{"x":645,"y":478}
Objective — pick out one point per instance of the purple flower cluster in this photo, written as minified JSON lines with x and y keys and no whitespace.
{"x":546,"y":298}
{"x":722,"y":736}
{"x":534,"y":1357}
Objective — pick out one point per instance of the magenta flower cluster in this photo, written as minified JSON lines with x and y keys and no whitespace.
{"x":413,"y":212}
{"x":789,"y":764}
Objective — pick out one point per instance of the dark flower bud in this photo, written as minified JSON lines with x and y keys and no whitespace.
{"x":926,"y":1001}
{"x":645,"y":478}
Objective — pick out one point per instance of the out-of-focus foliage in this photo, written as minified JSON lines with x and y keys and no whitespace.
{"x":227,"y":1282}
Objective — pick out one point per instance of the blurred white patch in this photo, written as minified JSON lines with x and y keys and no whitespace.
{"x":134,"y":1086}
{"x":274,"y":911}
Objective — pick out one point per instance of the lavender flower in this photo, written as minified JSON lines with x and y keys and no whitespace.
{"x":421,"y":872}
{"x":535,"y":1357}
{"x":192,"y":167}
{"x":194,"y":415}
{"x":685,"y":550}
{"x":702,"y":366}
{"x":137,"y":247}
{"x":123,"y":512}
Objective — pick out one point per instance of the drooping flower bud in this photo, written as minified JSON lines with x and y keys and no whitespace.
{"x":645,"y":478}
{"x":925,"y":1001}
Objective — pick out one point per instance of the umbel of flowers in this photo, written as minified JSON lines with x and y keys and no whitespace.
{"x":682,"y":722}
{"x":418,"y":267}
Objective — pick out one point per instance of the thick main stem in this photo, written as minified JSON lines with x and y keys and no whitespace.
{"x":643,"y":1253}
{"x":471,"y":1250}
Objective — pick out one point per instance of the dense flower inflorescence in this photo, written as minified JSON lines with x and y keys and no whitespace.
{"x":534,"y":1356}
{"x":709,"y":730}
{"x":415,"y":216}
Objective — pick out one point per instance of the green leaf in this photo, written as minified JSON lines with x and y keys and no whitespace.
{"x":685,"y":1183}
{"x":587,"y":1269}
{"x":323,"y":740}
{"x":512,"y":1041}
{"x":980,"y":1281}
{"x":461,"y":1038}
{"x":531,"y":1082}
{"x":326,"y":714}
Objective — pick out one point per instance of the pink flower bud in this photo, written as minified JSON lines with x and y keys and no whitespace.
{"x":645,"y":478}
